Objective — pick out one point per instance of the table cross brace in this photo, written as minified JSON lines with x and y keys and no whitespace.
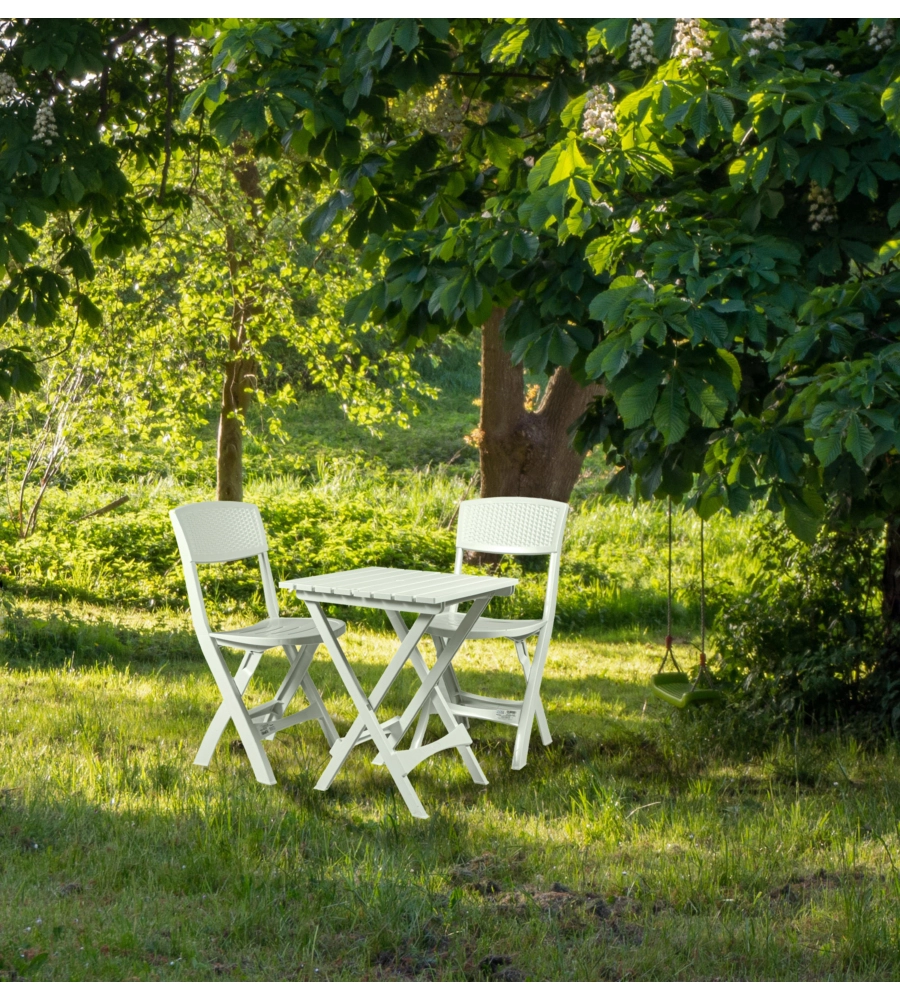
{"x":386,"y":736}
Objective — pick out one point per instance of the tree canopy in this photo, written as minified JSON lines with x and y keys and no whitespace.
{"x":702,"y":214}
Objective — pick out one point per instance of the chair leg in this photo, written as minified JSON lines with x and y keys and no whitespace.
{"x":323,"y":718}
{"x":531,"y":702}
{"x":449,"y":683}
{"x":299,"y":677}
{"x":543,"y":728}
{"x":450,"y":688}
{"x":298,"y":664}
{"x":235,"y":707}
{"x":222,"y":716}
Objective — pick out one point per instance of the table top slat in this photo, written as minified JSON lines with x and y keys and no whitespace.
{"x":422,"y":588}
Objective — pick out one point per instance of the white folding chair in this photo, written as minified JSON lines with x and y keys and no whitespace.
{"x":221,"y":531}
{"x":514,"y":526}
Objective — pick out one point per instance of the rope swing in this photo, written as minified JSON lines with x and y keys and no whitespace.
{"x":674,"y":685}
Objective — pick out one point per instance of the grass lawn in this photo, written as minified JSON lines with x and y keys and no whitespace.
{"x":642,"y":844}
{"x":629,"y":849}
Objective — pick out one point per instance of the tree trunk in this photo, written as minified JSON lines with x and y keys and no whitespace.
{"x":526,"y":453}
{"x":890,"y":581}
{"x":240,"y":380}
{"x":240,"y":370}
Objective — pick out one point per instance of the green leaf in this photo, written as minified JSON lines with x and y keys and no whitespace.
{"x":799,"y":514}
{"x":50,"y":180}
{"x":71,"y":187}
{"x":501,"y":148}
{"x":738,"y":501}
{"x":890,"y":102}
{"x":192,"y":100}
{"x":407,"y":36}
{"x":21,"y":244}
{"x":859,"y":439}
{"x":670,"y":415}
{"x":733,"y":366}
{"x":710,"y":502}
{"x":827,"y":448}
{"x":637,"y":402}
{"x":562,"y":348}
{"x":89,"y":312}
{"x":762,"y":161}
{"x":698,"y":119}
{"x":380,"y":35}
{"x":320,"y":220}
{"x":893,"y":216}
{"x":437,"y":26}
{"x":608,"y":358}
{"x":611,"y":305}
{"x":613,"y":33}
{"x":724,"y":110}
{"x":17,"y":372}
{"x":502,"y":251}
{"x":846,"y":116}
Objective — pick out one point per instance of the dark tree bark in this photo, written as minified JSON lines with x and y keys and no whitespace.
{"x":239,"y":382}
{"x":526,"y":453}
{"x":240,"y":370}
{"x":890,"y":581}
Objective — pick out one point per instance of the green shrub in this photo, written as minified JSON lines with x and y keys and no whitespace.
{"x":806,"y":632}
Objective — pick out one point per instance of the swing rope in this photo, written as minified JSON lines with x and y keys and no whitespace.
{"x":669,"y":593}
{"x":702,"y":600}
{"x":685,"y":691}
{"x":703,"y":673}
{"x":670,"y":652}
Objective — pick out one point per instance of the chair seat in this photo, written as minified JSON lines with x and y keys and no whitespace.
{"x":487,"y":628}
{"x":271,"y":632}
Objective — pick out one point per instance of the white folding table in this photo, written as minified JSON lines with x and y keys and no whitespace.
{"x":425,"y":595}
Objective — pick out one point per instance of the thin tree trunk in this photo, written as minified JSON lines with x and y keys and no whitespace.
{"x":238,"y":383}
{"x":240,"y":379}
{"x":240,"y":370}
{"x":526,"y":453}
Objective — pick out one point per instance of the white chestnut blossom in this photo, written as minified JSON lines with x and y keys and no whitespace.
{"x":640,"y":46}
{"x":765,"y":33}
{"x":599,"y":114}
{"x":437,"y":111}
{"x":881,"y":36}
{"x":691,"y":41}
{"x":7,"y":87}
{"x":822,"y":207}
{"x":45,"y":125}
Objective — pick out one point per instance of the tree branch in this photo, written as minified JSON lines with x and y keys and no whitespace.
{"x":170,"y":89}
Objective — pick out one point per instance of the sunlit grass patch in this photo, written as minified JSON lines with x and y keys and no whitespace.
{"x":638,"y":845}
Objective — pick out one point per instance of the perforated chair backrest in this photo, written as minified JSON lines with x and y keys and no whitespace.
{"x":516,"y":526}
{"x":217,"y":531}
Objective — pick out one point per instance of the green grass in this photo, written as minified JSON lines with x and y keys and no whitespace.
{"x":632,"y":848}
{"x":642,"y":844}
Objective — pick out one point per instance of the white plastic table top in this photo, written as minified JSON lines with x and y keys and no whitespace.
{"x":425,"y":594}
{"x":398,"y":589}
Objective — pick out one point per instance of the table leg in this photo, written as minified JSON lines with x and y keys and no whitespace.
{"x":366,"y":718}
{"x":438,"y":702}
{"x":451,"y":648}
{"x":341,"y":749}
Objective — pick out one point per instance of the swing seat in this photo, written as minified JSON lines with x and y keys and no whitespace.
{"x":678,"y":690}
